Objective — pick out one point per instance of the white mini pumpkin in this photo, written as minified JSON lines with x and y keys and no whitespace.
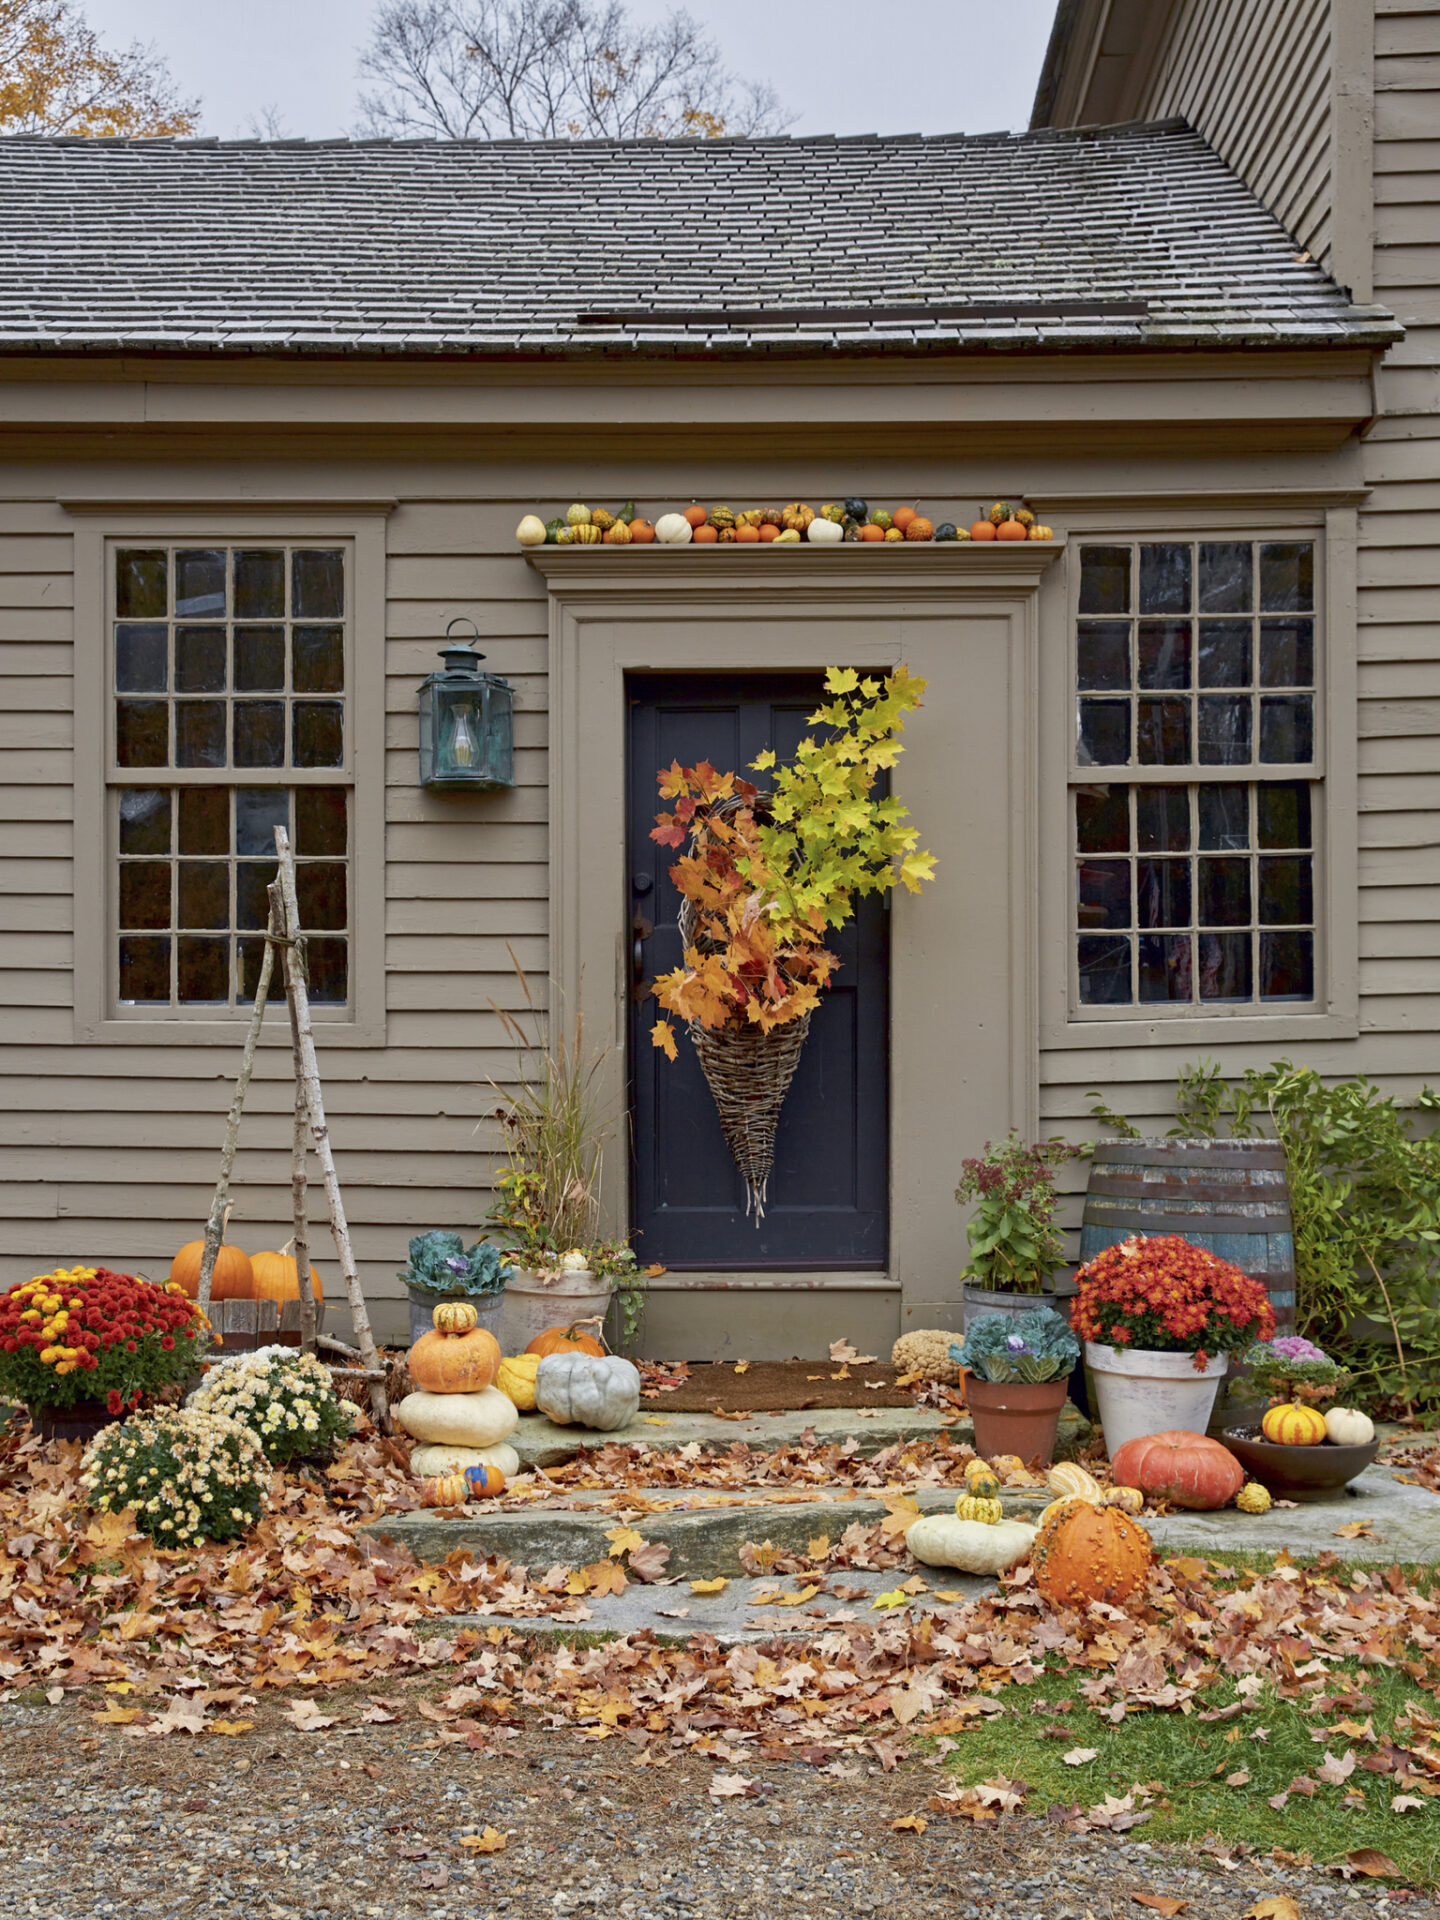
{"x":1346,"y":1427}
{"x":531,"y":531}
{"x":941,"y":1540}
{"x":429,"y":1460}
{"x":824,"y":533}
{"x":458,"y":1419}
{"x":673,"y":530}
{"x":588,"y":1390}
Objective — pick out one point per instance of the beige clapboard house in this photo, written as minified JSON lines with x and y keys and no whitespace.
{"x":269,"y":415}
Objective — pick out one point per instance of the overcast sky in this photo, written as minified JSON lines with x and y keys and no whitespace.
{"x":841,"y":66}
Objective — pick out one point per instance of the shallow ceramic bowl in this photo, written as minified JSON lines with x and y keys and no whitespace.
{"x":1298,"y":1473}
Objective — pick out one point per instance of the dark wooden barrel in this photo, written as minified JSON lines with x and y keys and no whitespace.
{"x":1229,"y":1196}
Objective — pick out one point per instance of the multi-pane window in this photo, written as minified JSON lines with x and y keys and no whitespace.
{"x":1195,"y":796}
{"x":228,"y":689}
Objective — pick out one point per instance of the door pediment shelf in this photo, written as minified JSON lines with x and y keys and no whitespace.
{"x":1011,"y":565}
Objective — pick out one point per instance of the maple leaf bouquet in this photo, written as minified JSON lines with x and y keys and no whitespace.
{"x":1160,"y":1294}
{"x":87,"y":1334}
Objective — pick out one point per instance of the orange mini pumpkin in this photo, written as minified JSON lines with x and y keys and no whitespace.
{"x":902,"y":517}
{"x":1012,"y":530}
{"x":1083,"y":1552}
{"x":642,"y":533}
{"x":871,"y":532}
{"x":445,"y":1490}
{"x":982,"y":530}
{"x":768,"y":530}
{"x":919,"y":528}
{"x":706,"y":536}
{"x":465,"y":1360}
{"x":564,"y":1340}
{"x":233,"y":1278}
{"x":697,"y":516}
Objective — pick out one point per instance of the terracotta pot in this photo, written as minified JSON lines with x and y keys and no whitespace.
{"x":1015,"y":1416}
{"x":82,"y":1421}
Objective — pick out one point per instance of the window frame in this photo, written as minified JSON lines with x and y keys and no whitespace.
{"x":360,"y":530}
{"x":1335,"y":1012}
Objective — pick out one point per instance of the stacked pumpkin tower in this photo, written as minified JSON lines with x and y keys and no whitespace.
{"x":457,"y":1413}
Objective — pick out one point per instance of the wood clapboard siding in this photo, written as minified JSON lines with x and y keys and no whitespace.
{"x":1254,"y":77}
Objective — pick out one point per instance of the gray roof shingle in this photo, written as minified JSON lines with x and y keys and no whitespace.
{"x":1118,"y":237}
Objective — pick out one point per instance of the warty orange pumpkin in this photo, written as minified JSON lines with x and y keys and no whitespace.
{"x":1084,"y":1552}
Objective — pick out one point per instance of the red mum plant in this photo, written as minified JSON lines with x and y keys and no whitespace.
{"x":84,"y":1333}
{"x":1162,"y":1295}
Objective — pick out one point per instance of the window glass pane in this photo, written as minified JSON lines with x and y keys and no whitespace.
{"x":204,"y":893}
{"x":1102,"y":820}
{"x":200,"y":733}
{"x":1287,"y":897}
{"x":142,"y":733}
{"x":326,"y":959}
{"x":252,"y":907}
{"x":1224,"y":893}
{"x":1102,"y":655}
{"x":1165,"y":970}
{"x":1162,"y":893}
{"x":141,"y":575}
{"x":249,"y":958}
{"x":205,"y":820}
{"x":1163,"y":733}
{"x":1287,"y":966}
{"x":1224,"y":818}
{"x":202,"y":968}
{"x":1225,"y":730}
{"x":259,"y":659}
{"x":1164,"y":653}
{"x":317,"y":584}
{"x":1287,"y":578}
{"x":145,"y":970}
{"x":318,"y":660}
{"x":320,"y":893}
{"x":319,"y":734}
{"x":320,"y":824}
{"x":200,"y":583}
{"x":1104,"y":970}
{"x":1164,"y":578}
{"x":1104,"y":733}
{"x":1227,"y":582}
{"x":142,"y":659}
{"x":200,"y":660}
{"x":259,"y":584}
{"x":258,"y":811}
{"x":259,"y":733}
{"x":1162,"y":819}
{"x":1287,"y":653}
{"x":144,"y":893}
{"x":1224,"y":963}
{"x":1105,"y":581}
{"x":145,"y":820}
{"x":1287,"y":729}
{"x":1225,"y":653}
{"x":1282,"y":812}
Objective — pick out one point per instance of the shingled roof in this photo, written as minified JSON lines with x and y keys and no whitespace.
{"x":1117,"y":237}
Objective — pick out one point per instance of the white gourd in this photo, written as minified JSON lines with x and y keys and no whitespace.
{"x":430,"y":1460}
{"x":458,"y":1419}
{"x":940,"y":1540}
{"x":673,"y":530}
{"x":824,"y":533}
{"x":1346,"y":1427}
{"x":531,"y":531}
{"x":588,"y":1390}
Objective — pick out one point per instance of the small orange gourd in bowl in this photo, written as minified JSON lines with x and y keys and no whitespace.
{"x":457,"y":1355}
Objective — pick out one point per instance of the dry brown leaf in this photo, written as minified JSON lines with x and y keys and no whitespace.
{"x":1160,"y":1902}
{"x":1356,"y":1530}
{"x":731,"y":1786}
{"x":909,"y":1823}
{"x":1373,"y":1864}
{"x":490,"y":1841}
{"x":1275,"y":1906}
{"x":1079,"y":1756}
{"x":1335,"y":1772}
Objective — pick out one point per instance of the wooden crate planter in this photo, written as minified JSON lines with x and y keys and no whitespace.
{"x":239,"y":1326}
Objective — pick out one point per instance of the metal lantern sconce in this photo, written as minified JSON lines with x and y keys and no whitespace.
{"x":467,"y":722}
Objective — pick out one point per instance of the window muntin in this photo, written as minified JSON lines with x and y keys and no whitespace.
{"x":1195,"y":794}
{"x":229,"y":717}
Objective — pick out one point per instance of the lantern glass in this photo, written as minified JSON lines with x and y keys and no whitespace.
{"x":467,"y":738}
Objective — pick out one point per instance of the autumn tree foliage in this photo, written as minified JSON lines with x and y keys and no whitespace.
{"x":550,"y":70}
{"x":57,"y":77}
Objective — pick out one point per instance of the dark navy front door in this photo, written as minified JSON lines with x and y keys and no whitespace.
{"x":827,"y":1205}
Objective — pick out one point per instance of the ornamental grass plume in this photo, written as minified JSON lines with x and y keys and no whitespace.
{"x":184,"y":1473}
{"x":1159,"y":1293}
{"x":85,"y":1333}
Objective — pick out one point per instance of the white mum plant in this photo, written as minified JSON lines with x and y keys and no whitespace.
{"x":188,"y":1474}
{"x":285,"y":1397}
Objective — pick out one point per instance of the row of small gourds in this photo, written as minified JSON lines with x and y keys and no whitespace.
{"x":468,"y":1398}
{"x":836,"y":521}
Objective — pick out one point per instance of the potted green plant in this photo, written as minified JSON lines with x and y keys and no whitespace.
{"x":1015,"y":1246}
{"x":441,"y":1267}
{"x":1017,"y":1370}
{"x":1293,"y":1368}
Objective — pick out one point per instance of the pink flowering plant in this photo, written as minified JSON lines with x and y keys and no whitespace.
{"x":1293,"y":1368}
{"x":1014,"y":1243}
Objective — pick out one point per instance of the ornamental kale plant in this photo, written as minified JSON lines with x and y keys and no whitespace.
{"x":84,"y":1333}
{"x":1291,"y":1366}
{"x":439,"y":1263}
{"x":1033,"y":1346}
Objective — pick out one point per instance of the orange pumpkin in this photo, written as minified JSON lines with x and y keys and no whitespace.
{"x":564,"y":1340}
{"x":982,"y":530}
{"x":697,"y":516}
{"x":706,"y":536}
{"x":1187,"y":1469}
{"x":642,"y":533}
{"x":1012,"y":530}
{"x":871,"y":532}
{"x":747,"y":536}
{"x":484,"y":1483}
{"x":902,"y":517}
{"x":277,"y":1277}
{"x":919,"y":528}
{"x":445,"y":1490}
{"x":768,"y":530}
{"x":233,"y":1278}
{"x":463,"y":1360}
{"x":1083,"y":1552}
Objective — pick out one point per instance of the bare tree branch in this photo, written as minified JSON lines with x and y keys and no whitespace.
{"x":57,"y":77}
{"x":551,"y":69}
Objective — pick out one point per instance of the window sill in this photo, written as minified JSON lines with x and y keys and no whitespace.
{"x":1235,"y":1029}
{"x":226,"y":1033}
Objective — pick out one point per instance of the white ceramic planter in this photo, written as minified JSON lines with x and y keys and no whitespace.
{"x":1144,"y":1392}
{"x":533,"y":1302}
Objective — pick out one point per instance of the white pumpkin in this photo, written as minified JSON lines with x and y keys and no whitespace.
{"x":588,"y":1390}
{"x":429,"y":1460}
{"x":673,"y":530}
{"x":824,"y":533}
{"x":575,"y":1261}
{"x":459,"y":1419}
{"x":940,"y":1540}
{"x":1346,"y":1427}
{"x":531,"y":531}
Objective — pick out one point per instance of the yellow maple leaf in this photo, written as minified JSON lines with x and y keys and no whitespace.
{"x":742,"y":1366}
{"x":897,"y":1598}
{"x":818,"y":1545}
{"x":117,"y":1716}
{"x":909,"y":1823}
{"x":797,"y":1599}
{"x":490,"y":1841}
{"x":662,"y":1035}
{"x":230,"y":1728}
{"x":709,"y":1586}
{"x":623,"y":1540}
{"x":655,"y":1420}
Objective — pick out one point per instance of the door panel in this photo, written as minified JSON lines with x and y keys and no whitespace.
{"x":828,"y":1192}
